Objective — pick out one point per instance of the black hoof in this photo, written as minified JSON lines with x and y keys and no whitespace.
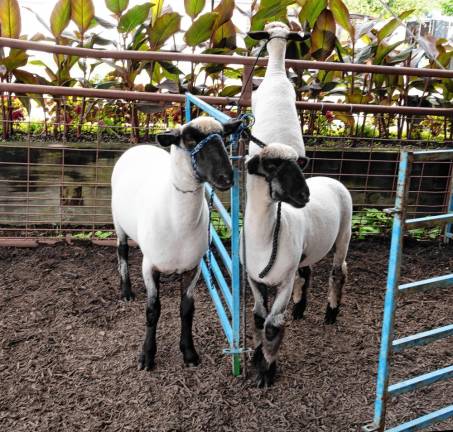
{"x":266,"y":378}
{"x":331,"y":315}
{"x":145,"y":362}
{"x":127,"y":295}
{"x":298,"y":311}
{"x":191,"y":359}
{"x":265,"y":373}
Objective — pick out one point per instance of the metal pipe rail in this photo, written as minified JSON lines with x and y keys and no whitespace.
{"x":215,"y":100}
{"x":230,"y":293}
{"x":221,"y":59}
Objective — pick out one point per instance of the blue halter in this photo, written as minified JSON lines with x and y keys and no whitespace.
{"x":197,"y":149}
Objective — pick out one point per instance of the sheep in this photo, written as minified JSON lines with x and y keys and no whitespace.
{"x":274,"y":102}
{"x":315,"y":214}
{"x":158,"y":201}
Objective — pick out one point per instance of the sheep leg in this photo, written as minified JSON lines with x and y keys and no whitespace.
{"x":260,"y":309}
{"x":337,"y":280}
{"x":302,"y":284}
{"x":338,"y":274}
{"x":186,"y":310}
{"x":151,"y":277}
{"x":265,"y":357}
{"x":123,"y":269}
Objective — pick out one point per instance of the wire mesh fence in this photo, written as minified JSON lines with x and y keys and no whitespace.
{"x":55,"y":172}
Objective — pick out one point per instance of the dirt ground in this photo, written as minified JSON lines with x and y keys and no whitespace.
{"x":69,"y":348}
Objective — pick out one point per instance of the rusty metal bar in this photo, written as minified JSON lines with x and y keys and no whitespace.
{"x":222,"y":59}
{"x":35,"y":242}
{"x":214,"y":100}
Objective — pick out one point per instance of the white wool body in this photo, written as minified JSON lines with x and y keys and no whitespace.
{"x":311,"y":231}
{"x":169,"y":226}
{"x":274,"y":102}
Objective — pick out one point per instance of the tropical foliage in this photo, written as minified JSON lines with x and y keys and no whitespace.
{"x":335,"y":36}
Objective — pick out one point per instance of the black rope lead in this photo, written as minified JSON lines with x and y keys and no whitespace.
{"x":273,"y":257}
{"x":208,"y":257}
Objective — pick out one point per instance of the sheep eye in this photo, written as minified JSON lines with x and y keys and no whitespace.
{"x":270,"y":165}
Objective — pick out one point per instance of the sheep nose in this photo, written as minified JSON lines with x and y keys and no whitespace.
{"x":226,"y":179}
{"x":304,"y":196}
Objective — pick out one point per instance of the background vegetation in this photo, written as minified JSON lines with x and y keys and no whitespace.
{"x":335,"y":36}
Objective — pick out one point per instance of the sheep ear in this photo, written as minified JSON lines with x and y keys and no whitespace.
{"x":298,"y":36}
{"x":303,"y":162}
{"x":259,"y":35}
{"x":170,"y":137}
{"x":231,"y":126}
{"x":253,"y":165}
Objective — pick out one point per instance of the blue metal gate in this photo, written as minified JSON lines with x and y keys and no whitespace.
{"x":229,"y":316}
{"x":384,"y":391}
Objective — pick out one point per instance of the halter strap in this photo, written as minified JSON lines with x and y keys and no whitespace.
{"x":193,"y":152}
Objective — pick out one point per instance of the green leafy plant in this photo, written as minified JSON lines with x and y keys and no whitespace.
{"x":153,"y":25}
{"x":83,"y":236}
{"x":222,"y":230}
{"x":103,"y":234}
{"x":370,"y":221}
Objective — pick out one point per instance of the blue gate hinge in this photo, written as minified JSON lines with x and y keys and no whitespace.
{"x":392,"y":210}
{"x":371,"y":427}
{"x":233,"y":351}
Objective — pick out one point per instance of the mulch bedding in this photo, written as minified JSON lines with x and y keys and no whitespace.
{"x":69,"y":348}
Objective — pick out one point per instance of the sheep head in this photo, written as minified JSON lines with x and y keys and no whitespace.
{"x":210,"y":162}
{"x":277,"y":29}
{"x":283,"y":169}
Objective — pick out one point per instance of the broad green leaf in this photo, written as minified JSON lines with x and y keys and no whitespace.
{"x":26,"y":77}
{"x":82,"y":13}
{"x":117,"y":6}
{"x":347,"y":119}
{"x":268,"y":13}
{"x":171,"y":85}
{"x":37,"y":37}
{"x":38,"y":63}
{"x":201,"y":29}
{"x":323,"y":36}
{"x":165,"y":26}
{"x":389,"y":28}
{"x":102,"y":22}
{"x":10,"y":18}
{"x":400,"y":57}
{"x":363,"y":29}
{"x":359,"y":98}
{"x":311,"y":11}
{"x":15,"y":59}
{"x":383,"y":50}
{"x":341,"y":14}
{"x":365,"y":53}
{"x":156,"y":10}
{"x":225,"y":10}
{"x":60,"y":17}
{"x":269,"y":10}
{"x":171,"y":68}
{"x":231,"y":90}
{"x":134,"y":17}
{"x":225,"y":36}
{"x":194,"y":7}
{"x":232,"y":73}
{"x":107,"y":84}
